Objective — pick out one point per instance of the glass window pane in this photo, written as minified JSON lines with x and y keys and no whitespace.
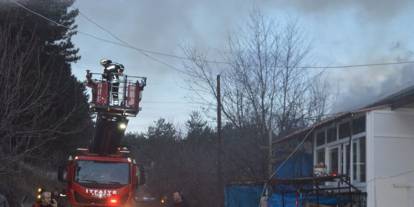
{"x":102,"y":172}
{"x":333,"y":162}
{"x":320,"y":138}
{"x":362,"y":159}
{"x":344,"y":130}
{"x":354,"y":160}
{"x":342,"y":158}
{"x":348,"y":158}
{"x":331,"y":134}
{"x":358,"y":125}
{"x":320,"y":156}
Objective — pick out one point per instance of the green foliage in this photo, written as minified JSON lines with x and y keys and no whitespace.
{"x":190,"y":164}
{"x":197,"y":128}
{"x":162,"y":130}
{"x":43,"y":108}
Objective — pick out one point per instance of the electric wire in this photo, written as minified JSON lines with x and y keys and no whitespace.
{"x":121,"y":43}
{"x":145,"y":51}
{"x":285,"y":160}
{"x":142,"y":51}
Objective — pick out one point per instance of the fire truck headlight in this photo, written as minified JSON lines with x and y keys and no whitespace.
{"x":122,"y":126}
{"x":113,"y":201}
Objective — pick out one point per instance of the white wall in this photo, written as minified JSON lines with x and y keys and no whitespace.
{"x":390,"y":158}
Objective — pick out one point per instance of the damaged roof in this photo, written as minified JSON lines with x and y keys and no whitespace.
{"x":395,"y":100}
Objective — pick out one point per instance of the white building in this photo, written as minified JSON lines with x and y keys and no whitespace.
{"x":374,"y":146}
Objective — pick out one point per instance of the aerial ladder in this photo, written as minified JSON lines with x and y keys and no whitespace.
{"x":113,"y":102}
{"x":104,"y":174}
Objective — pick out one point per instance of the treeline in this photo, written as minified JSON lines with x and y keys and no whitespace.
{"x":188,"y":162}
{"x":43,"y":107}
{"x":266,"y":92}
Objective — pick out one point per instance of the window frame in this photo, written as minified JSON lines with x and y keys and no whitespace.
{"x":342,"y":144}
{"x":357,"y":140}
{"x":338,"y":159}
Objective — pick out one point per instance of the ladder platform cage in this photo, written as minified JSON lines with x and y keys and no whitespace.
{"x":120,"y":96}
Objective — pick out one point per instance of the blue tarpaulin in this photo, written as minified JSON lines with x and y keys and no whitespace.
{"x":299,"y":165}
{"x":243,"y":195}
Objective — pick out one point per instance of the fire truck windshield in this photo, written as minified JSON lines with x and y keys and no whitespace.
{"x":95,"y":172}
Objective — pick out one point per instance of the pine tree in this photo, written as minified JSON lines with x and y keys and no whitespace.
{"x":47,"y":111}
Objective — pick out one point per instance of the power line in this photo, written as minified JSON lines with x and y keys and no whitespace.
{"x":358,"y":65}
{"x":286,"y":159}
{"x":176,"y":102}
{"x":142,"y":51}
{"x":123,"y":44}
{"x":145,"y":51}
{"x":61,"y":25}
{"x":223,"y":62}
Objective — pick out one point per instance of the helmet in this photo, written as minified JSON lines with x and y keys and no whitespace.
{"x":105,"y":62}
{"x":121,"y":68}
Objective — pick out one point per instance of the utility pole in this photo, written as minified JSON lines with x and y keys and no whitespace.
{"x":219,"y":147}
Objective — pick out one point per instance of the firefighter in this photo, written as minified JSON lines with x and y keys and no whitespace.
{"x":106,"y":74}
{"x":92,"y":84}
{"x":46,"y":200}
{"x":111,"y":74}
{"x":112,"y":71}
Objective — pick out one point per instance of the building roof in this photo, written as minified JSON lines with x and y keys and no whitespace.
{"x":395,"y":100}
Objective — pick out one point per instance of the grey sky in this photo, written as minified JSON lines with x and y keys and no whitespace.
{"x":342,"y":32}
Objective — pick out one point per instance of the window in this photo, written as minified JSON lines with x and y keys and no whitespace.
{"x":348,"y":158}
{"x":344,"y":130}
{"x":334,"y":160}
{"x":358,"y":125}
{"x":105,"y":173}
{"x":359,"y":160}
{"x":320,"y":138}
{"x":332,"y":134}
{"x":320,"y":156}
{"x":342,"y":168}
{"x":354,"y":161}
{"x":362,"y":160}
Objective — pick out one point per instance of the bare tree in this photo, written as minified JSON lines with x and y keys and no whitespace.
{"x":265,"y":84}
{"x":27,"y":105}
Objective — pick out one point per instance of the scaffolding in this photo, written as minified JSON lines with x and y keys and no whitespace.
{"x":316,"y":191}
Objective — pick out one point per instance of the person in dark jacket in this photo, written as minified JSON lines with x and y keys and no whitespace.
{"x":178,"y":200}
{"x":46,"y":200}
{"x":111,"y":74}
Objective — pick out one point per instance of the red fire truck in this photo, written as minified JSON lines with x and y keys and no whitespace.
{"x":96,"y":180}
{"x":104,"y":174}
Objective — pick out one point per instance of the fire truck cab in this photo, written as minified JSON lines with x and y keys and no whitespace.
{"x":94,"y":180}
